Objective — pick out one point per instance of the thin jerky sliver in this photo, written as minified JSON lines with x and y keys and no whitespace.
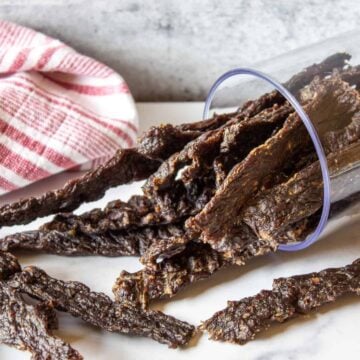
{"x":290,"y":297}
{"x":28,"y":327}
{"x":197,"y":262}
{"x":76,"y":242}
{"x":99,"y":310}
{"x":126,"y":166}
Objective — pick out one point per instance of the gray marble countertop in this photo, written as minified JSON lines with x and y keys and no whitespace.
{"x":174,"y":50}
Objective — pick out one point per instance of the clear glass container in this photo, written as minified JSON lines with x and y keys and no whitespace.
{"x":340,"y":170}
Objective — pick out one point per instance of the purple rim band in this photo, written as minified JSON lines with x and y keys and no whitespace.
{"x":314,"y":137}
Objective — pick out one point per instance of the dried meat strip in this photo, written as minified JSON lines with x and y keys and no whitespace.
{"x":76,"y":242}
{"x":25,"y":327}
{"x":289,"y":298}
{"x":9,"y":265}
{"x":217,"y":219}
{"x":138,"y":211}
{"x":126,"y":166}
{"x":100,"y":311}
{"x":160,"y":142}
{"x":299,"y":197}
{"x":197,"y":262}
{"x":186,"y":181}
{"x":222,"y":215}
{"x":322,"y":69}
{"x":28,"y":327}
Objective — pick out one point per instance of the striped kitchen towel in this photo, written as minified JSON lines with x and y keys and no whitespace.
{"x":58,"y":109}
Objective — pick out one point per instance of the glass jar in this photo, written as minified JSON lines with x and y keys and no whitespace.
{"x":325,"y":61}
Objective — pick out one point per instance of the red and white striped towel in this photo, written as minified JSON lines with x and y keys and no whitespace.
{"x":58,"y":109}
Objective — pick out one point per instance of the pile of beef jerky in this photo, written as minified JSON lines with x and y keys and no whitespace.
{"x":218,"y":192}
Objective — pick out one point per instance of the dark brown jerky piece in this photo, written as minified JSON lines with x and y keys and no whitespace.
{"x":99,"y":310}
{"x":26,"y":327}
{"x":197,"y":262}
{"x":77,"y":242}
{"x":9,"y":265}
{"x":160,"y":142}
{"x":336,"y":140}
{"x":117,"y":215}
{"x":218,"y":218}
{"x":303,"y":78}
{"x":126,"y":166}
{"x":166,"y":247}
{"x":186,"y":181}
{"x":328,"y":104}
{"x":299,"y":197}
{"x":289,"y":298}
{"x":298,"y":81}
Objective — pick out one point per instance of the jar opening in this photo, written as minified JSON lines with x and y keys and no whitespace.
{"x":310,"y":239}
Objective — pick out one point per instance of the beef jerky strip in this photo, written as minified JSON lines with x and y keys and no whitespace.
{"x":186,"y":181}
{"x":299,"y":197}
{"x":160,"y":142}
{"x":297,"y":82}
{"x":324,"y":68}
{"x":25,"y":327}
{"x":197,"y":262}
{"x":222,"y":214}
{"x":28,"y":327}
{"x":100,"y":311}
{"x":8,"y":265}
{"x":126,"y":166}
{"x":277,"y":209}
{"x":132,"y":242}
{"x":236,"y":141}
{"x":289,"y":298}
{"x":138,"y":211}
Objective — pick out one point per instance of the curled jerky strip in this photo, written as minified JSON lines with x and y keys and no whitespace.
{"x":132,"y":242}
{"x":28,"y":327}
{"x":299,"y":197}
{"x":126,"y":166}
{"x":185,"y":182}
{"x":100,"y":311}
{"x":137,"y":212}
{"x":197,"y":262}
{"x":289,"y":298}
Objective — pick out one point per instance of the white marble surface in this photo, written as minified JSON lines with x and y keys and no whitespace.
{"x":174,"y":50}
{"x":330,"y":334}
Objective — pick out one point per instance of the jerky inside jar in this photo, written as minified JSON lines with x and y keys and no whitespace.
{"x":270,"y":189}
